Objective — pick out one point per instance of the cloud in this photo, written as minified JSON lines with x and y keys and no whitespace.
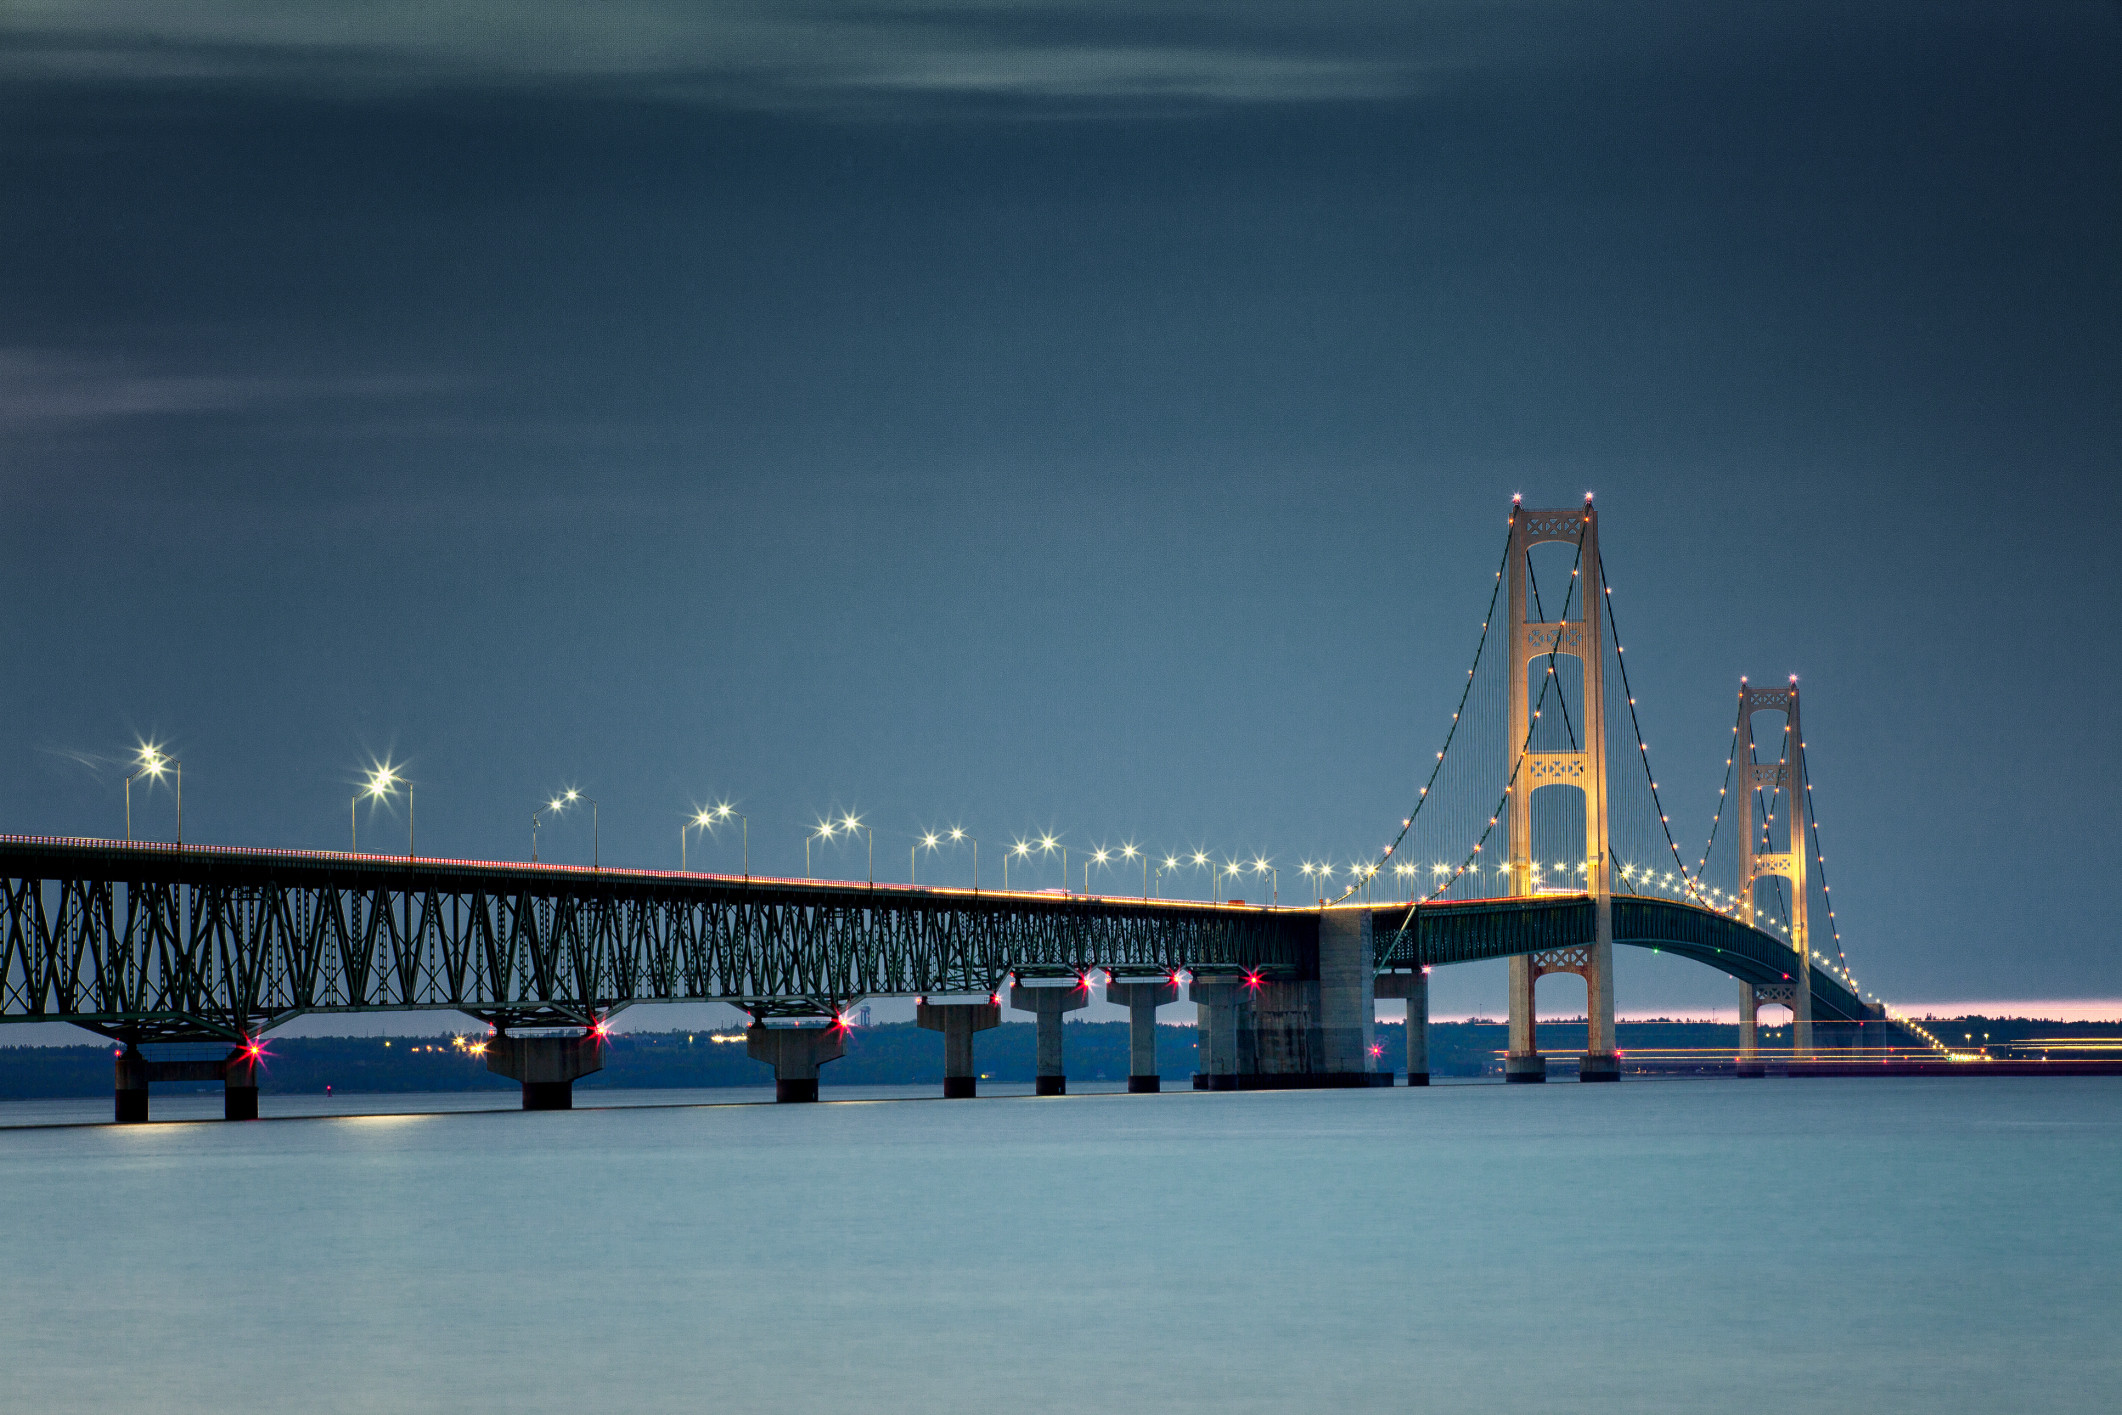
{"x":43,"y":386}
{"x":887,"y":54}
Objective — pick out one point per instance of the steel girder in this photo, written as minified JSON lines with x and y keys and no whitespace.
{"x":154,"y":943}
{"x":1500,"y":928}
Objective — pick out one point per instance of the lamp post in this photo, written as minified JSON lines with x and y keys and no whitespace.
{"x":1098,"y":857}
{"x":931,"y":840}
{"x":382,"y":782}
{"x":852,"y":823}
{"x":560,"y":803}
{"x":957,"y":833}
{"x":723,"y":811}
{"x":152,"y":764}
{"x":1128,"y":851}
{"x":1202,"y":862}
{"x":1021,"y":850}
{"x":704,"y":820}
{"x":1264,"y":866}
{"x":1170,"y":866}
{"x":826,"y":831}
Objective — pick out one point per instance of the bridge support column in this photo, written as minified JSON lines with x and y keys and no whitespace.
{"x":132,"y":1086}
{"x":1049,"y":1078}
{"x":795,"y":1053}
{"x":1415,"y":988}
{"x":957,"y":1021}
{"x":1142,"y":999}
{"x":1749,"y":1063}
{"x":1601,"y":1062}
{"x":548,"y":1067}
{"x":1217,"y":1001}
{"x":239,"y":1085}
{"x":1522,"y":1062}
{"x":1348,"y":999}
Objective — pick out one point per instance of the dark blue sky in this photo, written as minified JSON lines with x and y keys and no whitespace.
{"x":1086,"y":417}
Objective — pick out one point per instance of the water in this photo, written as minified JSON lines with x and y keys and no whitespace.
{"x":1817,"y":1245}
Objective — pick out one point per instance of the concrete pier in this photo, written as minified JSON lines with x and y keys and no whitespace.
{"x":795,"y":1053}
{"x":1142,"y":998}
{"x":1347,"y":1007}
{"x":1050,"y":1003}
{"x":131,"y":1087}
{"x":237,"y":1072}
{"x":957,"y":1021}
{"x":239,"y":1084}
{"x":1217,"y":1001}
{"x":1415,"y":988}
{"x":1522,"y":1062}
{"x":1749,"y":1063}
{"x":548,"y":1067}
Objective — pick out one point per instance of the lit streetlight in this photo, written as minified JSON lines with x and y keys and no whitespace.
{"x":852,"y":823}
{"x":1170,"y":865}
{"x":1098,"y":857}
{"x":826,"y":831}
{"x":383,"y":782}
{"x":1129,"y":851}
{"x":1264,"y":866}
{"x":1018,"y":850}
{"x":154,"y":762}
{"x":560,"y":803}
{"x":957,"y":833}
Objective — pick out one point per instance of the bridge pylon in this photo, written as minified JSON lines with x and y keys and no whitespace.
{"x":1533,"y":642}
{"x":1786,"y":778}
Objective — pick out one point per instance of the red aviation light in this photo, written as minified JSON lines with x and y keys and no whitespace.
{"x":1376,"y":1050}
{"x":602,"y":1029}
{"x":1252,"y":980}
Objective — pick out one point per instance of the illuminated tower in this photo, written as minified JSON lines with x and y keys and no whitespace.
{"x":1534,"y":649}
{"x":1784,"y":782}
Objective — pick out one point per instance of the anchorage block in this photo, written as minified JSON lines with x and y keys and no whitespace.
{"x":795,"y":1053}
{"x":548,"y":1067}
{"x":957,"y":1021}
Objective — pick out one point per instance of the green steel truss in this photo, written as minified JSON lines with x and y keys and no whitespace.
{"x":152,"y":943}
{"x":1498,"y":928}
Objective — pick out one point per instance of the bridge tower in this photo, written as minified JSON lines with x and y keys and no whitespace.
{"x":1786,"y":777}
{"x":1531,"y":645}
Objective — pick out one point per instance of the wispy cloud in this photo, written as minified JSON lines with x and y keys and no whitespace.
{"x":748,"y":53}
{"x":46,"y":386}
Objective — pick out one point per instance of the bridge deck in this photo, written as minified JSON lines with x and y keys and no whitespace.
{"x":152,"y":941}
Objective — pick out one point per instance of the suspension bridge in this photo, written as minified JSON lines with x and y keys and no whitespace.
{"x":1534,"y":838}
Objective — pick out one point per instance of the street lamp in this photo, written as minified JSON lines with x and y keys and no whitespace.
{"x":1020,"y":850}
{"x":1098,"y":857}
{"x":560,"y":803}
{"x":1129,"y":852}
{"x":826,"y":831}
{"x":382,"y":781}
{"x":1170,"y":866}
{"x":1201,"y":862}
{"x":152,"y":764}
{"x":931,"y":841}
{"x":1263,"y":866}
{"x":957,"y":833}
{"x":852,"y":823}
{"x":1232,"y":867}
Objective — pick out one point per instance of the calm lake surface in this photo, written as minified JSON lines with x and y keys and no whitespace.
{"x":1773,"y":1246}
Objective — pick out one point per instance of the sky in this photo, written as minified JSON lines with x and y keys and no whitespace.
{"x":1085,"y":417}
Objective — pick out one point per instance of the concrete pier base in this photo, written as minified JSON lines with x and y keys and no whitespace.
{"x":1142,"y":998}
{"x":795,"y":1053}
{"x":1216,"y":1001}
{"x":1529,"y":1066}
{"x":957,"y":1021}
{"x":132,"y":1087}
{"x":1599,"y":1067}
{"x":237,"y":1073}
{"x":239,"y":1086}
{"x":1413,"y":986}
{"x":1049,"y":1078}
{"x":547,"y":1067}
{"x":1749,"y":1070}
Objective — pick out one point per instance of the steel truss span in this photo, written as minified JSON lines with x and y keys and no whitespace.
{"x":1503,"y":928}
{"x":151,"y":943}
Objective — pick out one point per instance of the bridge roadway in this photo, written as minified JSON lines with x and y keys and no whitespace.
{"x":148,"y":943}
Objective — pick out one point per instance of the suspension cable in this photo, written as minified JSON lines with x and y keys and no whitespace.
{"x":1525,"y":748}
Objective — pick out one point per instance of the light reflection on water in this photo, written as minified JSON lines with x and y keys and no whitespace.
{"x":1776,"y":1246}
